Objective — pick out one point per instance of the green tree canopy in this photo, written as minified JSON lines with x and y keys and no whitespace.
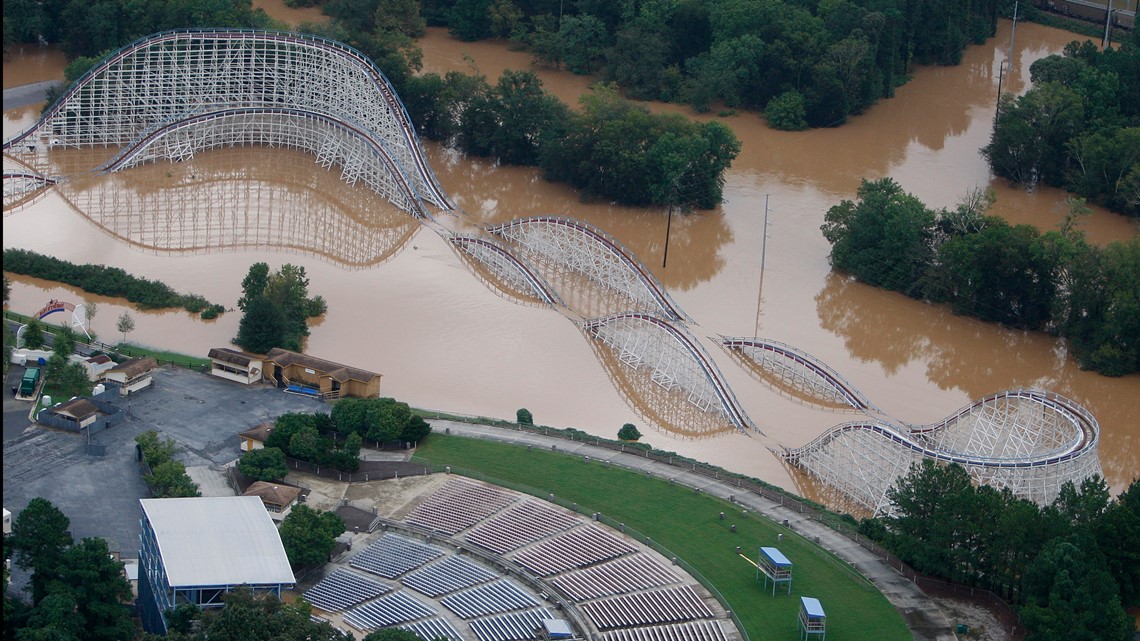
{"x":309,"y":535}
{"x":39,"y":539}
{"x":629,"y":432}
{"x":379,"y":419}
{"x":264,"y":464}
{"x":883,"y":239}
{"x":257,"y":617}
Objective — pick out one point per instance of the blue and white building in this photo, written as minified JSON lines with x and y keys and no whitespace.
{"x":195,"y":550}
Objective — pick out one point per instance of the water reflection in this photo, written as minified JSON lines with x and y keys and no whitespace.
{"x":240,"y":199}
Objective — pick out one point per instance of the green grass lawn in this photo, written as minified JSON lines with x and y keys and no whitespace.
{"x":689,"y":526}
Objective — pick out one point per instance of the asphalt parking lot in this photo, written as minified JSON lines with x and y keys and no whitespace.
{"x":100,"y":494}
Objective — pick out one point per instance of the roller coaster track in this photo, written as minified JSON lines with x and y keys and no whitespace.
{"x":174,"y":75}
{"x":296,"y":128}
{"x":799,"y":361}
{"x":1053,"y":439}
{"x":665,"y":365}
{"x":580,"y":247}
{"x":500,"y":259}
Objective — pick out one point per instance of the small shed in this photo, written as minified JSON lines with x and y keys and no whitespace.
{"x":775,"y":567}
{"x":233,"y":365}
{"x":278,"y":499}
{"x":96,"y":365}
{"x":7,"y":521}
{"x":133,"y":375}
{"x":812,"y":619}
{"x":254,"y":438}
{"x":80,"y":411}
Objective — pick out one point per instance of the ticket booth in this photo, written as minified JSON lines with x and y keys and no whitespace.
{"x":812,"y":619}
{"x":775,"y":567}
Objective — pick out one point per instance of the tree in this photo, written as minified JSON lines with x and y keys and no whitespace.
{"x":524,"y":417}
{"x":884,"y":239}
{"x":54,"y":618}
{"x":584,"y":40}
{"x":264,"y":464}
{"x":34,"y":334}
{"x":629,"y":432}
{"x":1071,"y":596}
{"x":786,"y":112}
{"x":379,"y":419}
{"x":63,"y":343}
{"x":253,"y":285}
{"x":100,"y":589}
{"x":125,"y":325}
{"x":930,"y":508}
{"x":305,"y":443}
{"x":248,"y":617}
{"x":309,"y":535}
{"x":90,"y":308}
{"x":169,"y":480}
{"x":39,"y":539}
{"x":155,"y":450}
{"x":1118,"y":536}
{"x":262,"y":327}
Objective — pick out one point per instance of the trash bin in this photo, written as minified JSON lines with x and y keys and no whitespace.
{"x":962,"y":628}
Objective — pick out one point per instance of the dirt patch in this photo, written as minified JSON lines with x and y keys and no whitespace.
{"x":394,"y":498}
{"x":981,"y":624}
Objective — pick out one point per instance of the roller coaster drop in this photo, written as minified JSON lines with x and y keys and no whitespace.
{"x":171,"y":95}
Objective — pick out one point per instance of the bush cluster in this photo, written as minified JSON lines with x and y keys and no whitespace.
{"x":167,"y":477}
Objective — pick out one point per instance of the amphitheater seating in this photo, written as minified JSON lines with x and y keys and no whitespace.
{"x":513,"y":626}
{"x":576,"y":548}
{"x":392,"y":555}
{"x":621,"y":575}
{"x":387,"y":611}
{"x":457,"y":506}
{"x":432,"y":629}
{"x":519,"y":525}
{"x":667,"y":605}
{"x":690,"y":631}
{"x":343,"y":589}
{"x":490,"y":598}
{"x":451,"y":574}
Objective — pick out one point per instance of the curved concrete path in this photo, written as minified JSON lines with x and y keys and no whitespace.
{"x":923,"y":617}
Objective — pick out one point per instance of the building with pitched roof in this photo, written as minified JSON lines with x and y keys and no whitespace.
{"x":132,"y":375}
{"x":234,"y":365}
{"x":195,"y":550}
{"x":307,"y":374}
{"x":278,"y":499}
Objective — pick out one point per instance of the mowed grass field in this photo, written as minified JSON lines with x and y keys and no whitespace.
{"x":689,"y":525}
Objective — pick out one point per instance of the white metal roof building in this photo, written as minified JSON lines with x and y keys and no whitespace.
{"x":194,"y":550}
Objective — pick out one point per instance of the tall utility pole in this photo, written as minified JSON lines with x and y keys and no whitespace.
{"x":1013,"y":34}
{"x":1107,"y":23}
{"x":668,"y":226}
{"x":763,"y":253}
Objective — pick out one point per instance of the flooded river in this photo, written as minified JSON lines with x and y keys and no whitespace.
{"x":402,"y":303}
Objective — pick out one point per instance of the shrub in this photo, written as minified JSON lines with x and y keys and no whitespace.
{"x":628,"y":432}
{"x":524,"y":417}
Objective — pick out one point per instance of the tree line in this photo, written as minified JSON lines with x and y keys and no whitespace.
{"x":107,"y":281}
{"x":1071,"y":567}
{"x":984,"y":267}
{"x":804,"y":63}
{"x":1078,"y":127}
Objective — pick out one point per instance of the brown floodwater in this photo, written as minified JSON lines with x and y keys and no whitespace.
{"x":401,"y":302}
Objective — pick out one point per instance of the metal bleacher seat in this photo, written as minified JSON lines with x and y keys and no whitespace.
{"x":489,"y":598}
{"x":449,"y":575}
{"x":575,"y":548}
{"x":342,"y":589}
{"x":432,"y":629}
{"x":519,"y":525}
{"x":458,"y":505}
{"x":397,"y":607}
{"x":392,"y":555}
{"x":617,"y":576}
{"x":664,"y":605}
{"x":513,"y":626}
{"x":704,"y":630}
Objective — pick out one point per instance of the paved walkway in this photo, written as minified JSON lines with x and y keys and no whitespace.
{"x":923,"y":617}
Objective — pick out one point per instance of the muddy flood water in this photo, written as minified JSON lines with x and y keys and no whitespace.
{"x":402,"y":303}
